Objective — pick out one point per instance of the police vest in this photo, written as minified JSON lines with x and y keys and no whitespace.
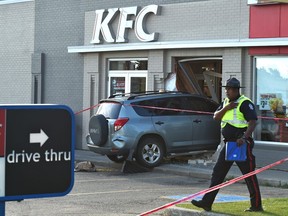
{"x":233,"y":116}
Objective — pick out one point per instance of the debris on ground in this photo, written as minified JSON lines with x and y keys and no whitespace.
{"x":85,"y":166}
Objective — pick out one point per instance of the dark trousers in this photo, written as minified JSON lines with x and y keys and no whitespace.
{"x":221,"y":169}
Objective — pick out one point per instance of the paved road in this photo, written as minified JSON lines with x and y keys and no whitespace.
{"x":109,"y":192}
{"x":266,"y":156}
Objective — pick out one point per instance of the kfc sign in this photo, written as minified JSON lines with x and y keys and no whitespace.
{"x":102,"y":24}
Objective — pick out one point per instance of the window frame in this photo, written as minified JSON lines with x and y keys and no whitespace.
{"x":257,"y":102}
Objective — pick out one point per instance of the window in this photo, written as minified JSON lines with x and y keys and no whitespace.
{"x":128,"y":64}
{"x":12,"y":1}
{"x":170,"y":106}
{"x":109,"y":109}
{"x":167,"y":107}
{"x":143,"y":108}
{"x":127,"y":75}
{"x":272,"y":98}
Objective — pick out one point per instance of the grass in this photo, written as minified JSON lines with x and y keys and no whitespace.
{"x":272,"y":207}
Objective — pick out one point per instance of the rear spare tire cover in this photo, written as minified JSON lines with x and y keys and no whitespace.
{"x":98,"y":129}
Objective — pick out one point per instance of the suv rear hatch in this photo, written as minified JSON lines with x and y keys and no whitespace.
{"x":108,"y":111}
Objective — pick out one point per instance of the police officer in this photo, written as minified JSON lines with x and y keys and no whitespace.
{"x":238,"y":121}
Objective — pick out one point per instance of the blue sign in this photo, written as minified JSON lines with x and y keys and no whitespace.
{"x":36,"y":151}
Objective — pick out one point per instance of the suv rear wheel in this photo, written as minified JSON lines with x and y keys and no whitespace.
{"x":150,"y":152}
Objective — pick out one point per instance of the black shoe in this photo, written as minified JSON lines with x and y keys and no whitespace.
{"x":254,"y":209}
{"x":201,"y":204}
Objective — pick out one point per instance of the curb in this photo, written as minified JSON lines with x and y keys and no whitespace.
{"x":187,"y":171}
{"x":205,"y":173}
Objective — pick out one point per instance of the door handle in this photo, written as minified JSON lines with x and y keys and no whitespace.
{"x":159,"y":122}
{"x":197,"y":121}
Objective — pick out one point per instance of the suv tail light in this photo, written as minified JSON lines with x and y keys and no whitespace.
{"x":119,"y":123}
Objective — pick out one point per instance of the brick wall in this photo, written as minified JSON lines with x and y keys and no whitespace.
{"x":17,"y":46}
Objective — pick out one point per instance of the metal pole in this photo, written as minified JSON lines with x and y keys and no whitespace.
{"x":2,"y":208}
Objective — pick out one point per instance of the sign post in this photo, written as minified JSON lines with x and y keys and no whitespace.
{"x":36,"y":151}
{"x":2,"y":208}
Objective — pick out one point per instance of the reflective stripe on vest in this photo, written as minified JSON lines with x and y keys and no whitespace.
{"x":234,"y":117}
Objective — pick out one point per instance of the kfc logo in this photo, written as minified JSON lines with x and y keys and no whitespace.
{"x":102,"y":26}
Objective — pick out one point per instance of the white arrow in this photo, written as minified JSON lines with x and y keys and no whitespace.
{"x":38,"y":137}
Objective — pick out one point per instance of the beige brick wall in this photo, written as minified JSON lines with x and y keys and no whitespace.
{"x":17,"y":46}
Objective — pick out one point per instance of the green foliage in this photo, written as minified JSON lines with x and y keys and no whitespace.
{"x":276,"y":105}
{"x":272,"y":207}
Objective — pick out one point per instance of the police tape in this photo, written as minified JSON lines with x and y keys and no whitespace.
{"x":216,"y":187}
{"x":179,"y":110}
{"x":89,"y":108}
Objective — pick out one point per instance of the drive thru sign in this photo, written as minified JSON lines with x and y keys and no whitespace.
{"x":36,"y":151}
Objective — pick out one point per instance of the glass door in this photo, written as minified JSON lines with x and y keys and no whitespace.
{"x":127,"y":75}
{"x":137,"y":84}
{"x":117,"y":85}
{"x":127,"y":82}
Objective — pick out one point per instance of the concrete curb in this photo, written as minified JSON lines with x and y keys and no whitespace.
{"x":271,"y":179}
{"x":183,"y":170}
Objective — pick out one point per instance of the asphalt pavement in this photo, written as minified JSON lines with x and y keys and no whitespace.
{"x":275,"y":176}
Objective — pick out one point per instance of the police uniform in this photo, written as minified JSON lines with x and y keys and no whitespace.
{"x":234,"y":123}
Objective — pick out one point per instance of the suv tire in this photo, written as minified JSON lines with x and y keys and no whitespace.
{"x":150,"y":152}
{"x":98,"y":129}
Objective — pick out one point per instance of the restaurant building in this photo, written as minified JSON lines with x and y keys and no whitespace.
{"x":78,"y":52}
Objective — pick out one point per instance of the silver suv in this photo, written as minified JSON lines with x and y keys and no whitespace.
{"x":152,"y":125}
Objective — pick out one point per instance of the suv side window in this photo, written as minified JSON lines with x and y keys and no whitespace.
{"x":144,"y":108}
{"x":169,"y":106}
{"x":198,"y":104}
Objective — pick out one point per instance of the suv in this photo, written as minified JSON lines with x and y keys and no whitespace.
{"x":152,"y":125}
